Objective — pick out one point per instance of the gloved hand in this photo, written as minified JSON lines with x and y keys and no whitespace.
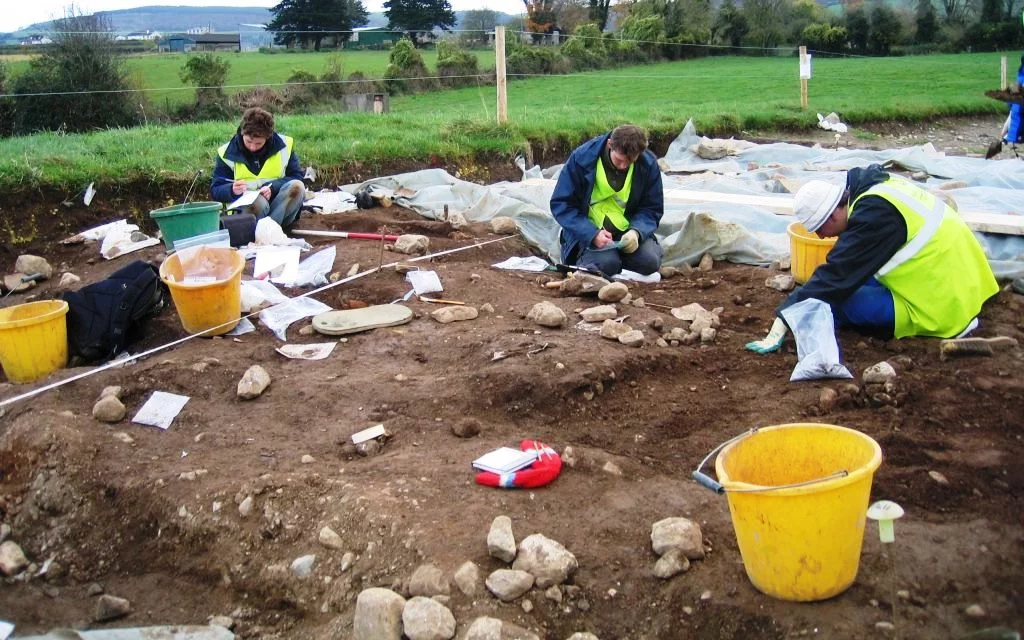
{"x":630,"y":241}
{"x":772,"y":341}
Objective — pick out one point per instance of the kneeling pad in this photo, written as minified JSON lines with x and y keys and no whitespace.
{"x":337,"y":323}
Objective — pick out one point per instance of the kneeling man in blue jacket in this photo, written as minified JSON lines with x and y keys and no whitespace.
{"x":609,"y":201}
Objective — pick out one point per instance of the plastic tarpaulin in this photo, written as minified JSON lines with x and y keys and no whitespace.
{"x":748,"y":234}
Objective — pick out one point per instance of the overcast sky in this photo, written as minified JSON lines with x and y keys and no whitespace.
{"x":21,"y":13}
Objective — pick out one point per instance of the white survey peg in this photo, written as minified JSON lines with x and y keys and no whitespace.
{"x":885,"y":511}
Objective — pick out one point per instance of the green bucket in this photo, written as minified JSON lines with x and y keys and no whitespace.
{"x":181,"y":221}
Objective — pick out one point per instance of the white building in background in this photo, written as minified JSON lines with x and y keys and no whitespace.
{"x":198,"y":31}
{"x":141,"y":35}
{"x":35,"y":40}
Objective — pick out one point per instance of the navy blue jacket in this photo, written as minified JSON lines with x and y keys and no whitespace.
{"x":224,"y":176}
{"x":874,"y":234}
{"x":570,"y":202}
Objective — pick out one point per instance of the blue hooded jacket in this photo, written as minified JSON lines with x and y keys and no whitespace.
{"x":570,"y":201}
{"x":224,"y":176}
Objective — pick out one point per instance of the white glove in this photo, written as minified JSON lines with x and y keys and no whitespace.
{"x":630,"y":241}
{"x":772,"y":341}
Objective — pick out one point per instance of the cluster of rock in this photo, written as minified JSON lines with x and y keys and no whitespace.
{"x":677,"y":541}
{"x":879,"y":388}
{"x":422,"y":612}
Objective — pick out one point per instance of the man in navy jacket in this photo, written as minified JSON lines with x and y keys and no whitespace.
{"x":609,"y":201}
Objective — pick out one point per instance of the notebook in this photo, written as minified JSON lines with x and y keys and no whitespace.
{"x":505,"y":460}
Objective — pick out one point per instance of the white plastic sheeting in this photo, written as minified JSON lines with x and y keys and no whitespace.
{"x":739,"y":233}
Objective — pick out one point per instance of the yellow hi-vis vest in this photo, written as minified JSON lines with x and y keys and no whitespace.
{"x":607,"y":203}
{"x":273,"y":168}
{"x":939,"y":278}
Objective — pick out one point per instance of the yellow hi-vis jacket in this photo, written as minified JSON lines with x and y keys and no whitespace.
{"x":606,"y":203}
{"x":940,"y":277}
{"x":274,"y":167}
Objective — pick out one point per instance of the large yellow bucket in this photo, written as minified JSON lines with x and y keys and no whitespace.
{"x":206,"y":286}
{"x":806,"y":251}
{"x":33,"y":339}
{"x":798,"y":495}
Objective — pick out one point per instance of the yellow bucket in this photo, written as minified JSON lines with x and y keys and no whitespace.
{"x":33,"y":339}
{"x":798,"y":495}
{"x":206,"y":286}
{"x":806,"y":251}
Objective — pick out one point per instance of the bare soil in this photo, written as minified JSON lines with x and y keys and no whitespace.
{"x":121,"y":513}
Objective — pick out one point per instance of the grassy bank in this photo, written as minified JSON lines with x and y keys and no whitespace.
{"x":722,"y":95}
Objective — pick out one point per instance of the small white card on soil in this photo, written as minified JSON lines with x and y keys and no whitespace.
{"x":160,"y":410}
{"x":368,"y":434}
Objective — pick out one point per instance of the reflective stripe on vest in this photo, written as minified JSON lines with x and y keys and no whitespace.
{"x":608,"y":204}
{"x":275,"y":166}
{"x":932,"y":218}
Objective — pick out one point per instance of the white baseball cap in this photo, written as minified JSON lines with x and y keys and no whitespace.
{"x":815,"y":202}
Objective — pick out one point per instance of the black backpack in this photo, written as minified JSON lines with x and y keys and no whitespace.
{"x":105,"y":317}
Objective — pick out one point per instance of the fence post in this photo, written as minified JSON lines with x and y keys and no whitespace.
{"x":805,"y":73}
{"x":1002,"y":74}
{"x":499,"y":72}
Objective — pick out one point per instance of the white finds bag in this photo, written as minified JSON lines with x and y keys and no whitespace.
{"x":817,"y":349}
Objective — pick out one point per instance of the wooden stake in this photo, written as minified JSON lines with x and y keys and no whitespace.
{"x":803,"y":78}
{"x":1002,"y":73}
{"x":499,"y":72}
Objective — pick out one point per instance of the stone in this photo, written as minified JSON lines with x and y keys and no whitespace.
{"x":307,"y":459}
{"x":222,"y":621}
{"x":109,"y":409}
{"x":455,"y":313}
{"x":253,"y":383}
{"x":467,"y":578}
{"x":547,"y":314}
{"x":879,"y":373}
{"x":487,"y":307}
{"x":501,"y":543}
{"x":484,"y":628}
{"x":378,"y":615}
{"x":504,"y":225}
{"x":12,"y":558}
{"x":661,"y":342}
{"x":689,"y":312}
{"x":466,"y":427}
{"x":612,"y":469}
{"x":5,"y":531}
{"x":599,"y":313}
{"x":329,"y":538}
{"x":303,"y":565}
{"x":668,"y":272}
{"x":612,"y":330}
{"x":412,"y":244}
{"x":509,"y":584}
{"x":781,"y":282}
{"x":110,"y":607}
{"x":583,"y":635}
{"x":707,"y":335}
{"x":547,"y":560}
{"x":672,"y":563}
{"x":346,"y":561}
{"x":706,"y":262}
{"x":553,"y":593}
{"x":30,"y":264}
{"x":612,"y":292}
{"x":428,"y":581}
{"x":580,"y":283}
{"x":827,"y":399}
{"x":68,"y":280}
{"x":633,"y":338}
{"x":678,"y":533}
{"x":457,"y":220}
{"x":527,"y":605}
{"x":885,"y":626}
{"x":427,"y":619}
{"x":113,"y":390}
{"x":938,"y":477}
{"x":94,"y":590}
{"x":975,"y":611}
{"x":245,"y":507}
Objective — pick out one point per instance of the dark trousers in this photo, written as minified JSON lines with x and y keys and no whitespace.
{"x":645,"y":260}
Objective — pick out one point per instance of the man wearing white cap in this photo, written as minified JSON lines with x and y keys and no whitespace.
{"x":904,"y":263}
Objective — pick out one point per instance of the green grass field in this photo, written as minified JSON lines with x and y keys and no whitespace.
{"x":723,"y":95}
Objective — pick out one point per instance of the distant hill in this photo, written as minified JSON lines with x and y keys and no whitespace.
{"x":167,"y":19}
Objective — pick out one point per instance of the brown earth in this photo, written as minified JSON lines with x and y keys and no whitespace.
{"x":121,"y":513}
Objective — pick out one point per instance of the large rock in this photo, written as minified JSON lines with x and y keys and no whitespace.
{"x":108,"y":409}
{"x":428,"y":580}
{"x":467,"y":578}
{"x":110,"y":607}
{"x":781,"y":282}
{"x":412,"y":244}
{"x":612,"y":292}
{"x":612,"y":330}
{"x":503,"y":225}
{"x":29,"y":264}
{"x":457,"y":313}
{"x":580,"y":283}
{"x":501,"y":543}
{"x":253,"y":383}
{"x":672,"y":563}
{"x":678,"y":533}
{"x":12,"y":558}
{"x":547,"y":560}
{"x":599,"y":313}
{"x":378,"y":615}
{"x":634,"y":338}
{"x":509,"y":584}
{"x":427,"y":619}
{"x":879,"y":373}
{"x":547,"y":314}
